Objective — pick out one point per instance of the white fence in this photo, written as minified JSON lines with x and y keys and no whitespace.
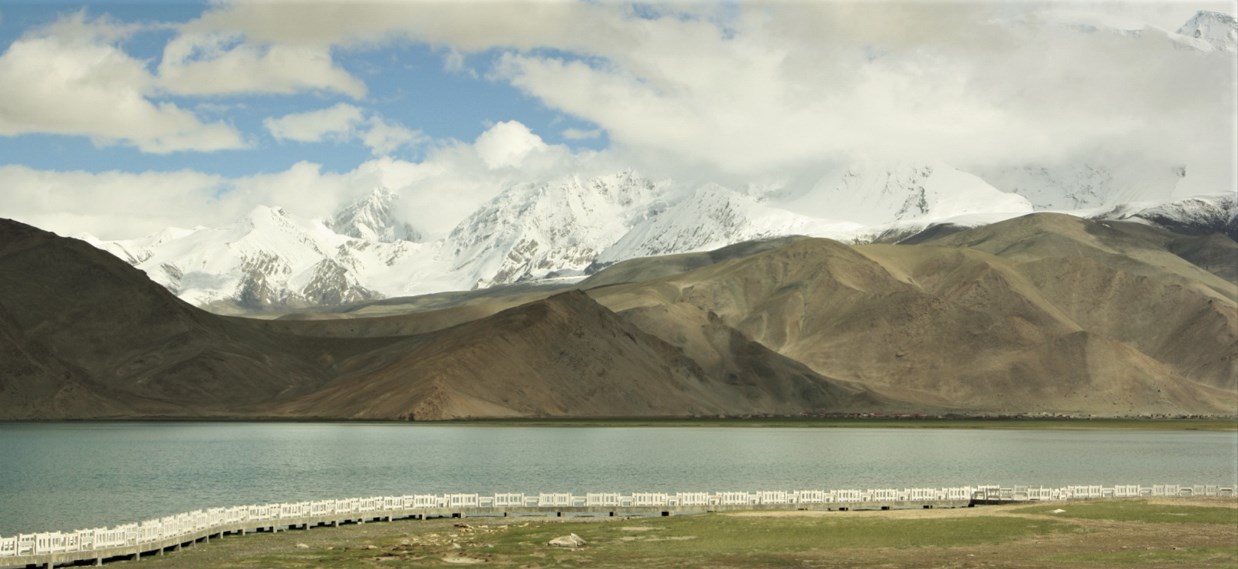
{"x":190,"y":525}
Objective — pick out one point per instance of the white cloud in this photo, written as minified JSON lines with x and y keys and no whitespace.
{"x":108,"y":204}
{"x":339,"y":121}
{"x":221,"y":63}
{"x":467,"y":26}
{"x":734,"y":94}
{"x":581,"y":134}
{"x":438,"y":192}
{"x":506,"y":144}
{"x":71,"y":78}
{"x":453,"y":61}
{"x":285,"y":47}
{"x":344,"y":122}
{"x":122,"y":205}
{"x":384,"y":138}
{"x":790,"y":86}
{"x":757,"y":88}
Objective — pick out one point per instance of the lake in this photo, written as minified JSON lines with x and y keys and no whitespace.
{"x":63,"y":476}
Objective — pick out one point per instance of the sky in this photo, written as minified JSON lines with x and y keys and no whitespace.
{"x":121,"y":118}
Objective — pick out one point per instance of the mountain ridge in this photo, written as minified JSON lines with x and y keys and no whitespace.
{"x":1046,"y":313}
{"x":564,"y":230}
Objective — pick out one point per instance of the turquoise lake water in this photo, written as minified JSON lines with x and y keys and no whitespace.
{"x":63,"y":476}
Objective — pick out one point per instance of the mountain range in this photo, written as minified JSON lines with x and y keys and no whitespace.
{"x":1042,"y":313}
{"x":566,"y":229}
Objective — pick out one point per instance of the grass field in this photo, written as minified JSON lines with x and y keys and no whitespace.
{"x":882,"y":423}
{"x":1107,"y":534}
{"x":1140,"y":511}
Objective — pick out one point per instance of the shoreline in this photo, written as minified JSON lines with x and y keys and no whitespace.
{"x":1212,"y":424}
{"x":1118,"y":531}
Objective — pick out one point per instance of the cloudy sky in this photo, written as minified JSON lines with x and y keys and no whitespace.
{"x":120,"y":118}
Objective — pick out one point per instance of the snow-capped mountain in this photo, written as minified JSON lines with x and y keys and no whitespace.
{"x":273,"y":259}
{"x":533,"y":230}
{"x":137,"y":251}
{"x":1217,"y":29}
{"x":872,"y":193}
{"x":709,"y":217}
{"x":1193,"y":216}
{"x":1206,"y":31}
{"x":269,"y":258}
{"x":1066,"y":187}
{"x":567,"y":227}
{"x":372,"y":219}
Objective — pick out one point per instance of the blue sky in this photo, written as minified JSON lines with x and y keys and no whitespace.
{"x":120,"y":118}
{"x":407,"y":84}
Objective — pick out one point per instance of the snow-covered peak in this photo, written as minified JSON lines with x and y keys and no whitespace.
{"x":562,"y":228}
{"x":876,"y":193}
{"x":1218,"y":29}
{"x":709,"y":217}
{"x":285,"y":240}
{"x":1066,"y":187}
{"x":373,"y":218}
{"x":266,"y":216}
{"x":1193,"y":215}
{"x":135,"y":251}
{"x":532,"y":230}
{"x":1086,"y":20}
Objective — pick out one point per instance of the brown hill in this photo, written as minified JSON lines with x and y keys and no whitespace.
{"x":83,"y":334}
{"x":565,"y":356}
{"x":1036,"y":314}
{"x":1042,"y":313}
{"x":1126,"y":281}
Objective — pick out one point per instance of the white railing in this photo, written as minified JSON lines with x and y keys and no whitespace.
{"x":190,"y":525}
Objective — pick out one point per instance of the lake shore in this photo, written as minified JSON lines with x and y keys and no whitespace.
{"x":1018,"y":423}
{"x":1096,"y":534}
{"x":1192,"y":424}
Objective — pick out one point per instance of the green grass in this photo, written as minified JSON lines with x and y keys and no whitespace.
{"x":734,"y":533}
{"x":718,"y":541}
{"x":747,"y":541}
{"x":877,"y":422}
{"x":1212,"y":424}
{"x":727,"y":541}
{"x":1139,"y":511}
{"x":681,"y":541}
{"x":1178,"y":558}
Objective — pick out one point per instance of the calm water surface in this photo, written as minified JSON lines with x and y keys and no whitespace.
{"x":68,"y":476}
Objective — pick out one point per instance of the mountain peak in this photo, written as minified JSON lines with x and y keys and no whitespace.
{"x":1217,"y":28}
{"x":372,"y":218}
{"x":266,"y":212}
{"x":264,"y":216}
{"x":874,"y":192}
